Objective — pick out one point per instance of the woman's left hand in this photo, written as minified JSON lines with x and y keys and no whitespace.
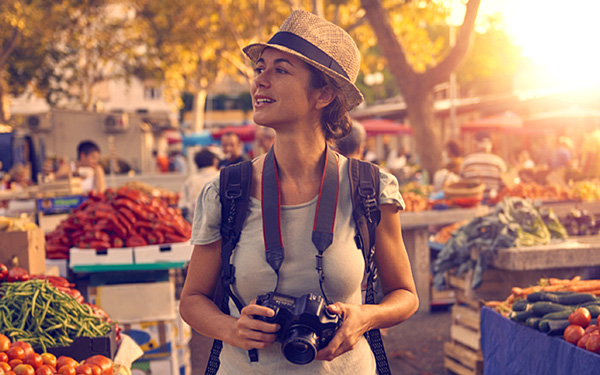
{"x":354,"y":325}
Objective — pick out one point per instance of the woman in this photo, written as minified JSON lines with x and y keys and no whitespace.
{"x":303,"y":89}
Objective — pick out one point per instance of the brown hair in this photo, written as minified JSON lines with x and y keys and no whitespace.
{"x":335,"y":120}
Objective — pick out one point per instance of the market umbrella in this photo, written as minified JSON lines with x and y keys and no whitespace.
{"x":503,"y":122}
{"x":245,"y":132}
{"x":565,"y":117}
{"x":376,"y":126}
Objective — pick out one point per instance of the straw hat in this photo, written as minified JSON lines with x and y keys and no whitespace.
{"x":320,"y":43}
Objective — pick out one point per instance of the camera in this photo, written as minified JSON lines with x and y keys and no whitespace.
{"x":306,"y":324}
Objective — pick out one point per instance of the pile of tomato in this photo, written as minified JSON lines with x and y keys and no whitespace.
{"x":19,"y":358}
{"x":581,"y":332}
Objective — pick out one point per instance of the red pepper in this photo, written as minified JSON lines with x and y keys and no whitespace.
{"x":135,"y":240}
{"x":173,"y":238}
{"x":127,"y":214}
{"x":17,"y":274}
{"x":117,"y":242}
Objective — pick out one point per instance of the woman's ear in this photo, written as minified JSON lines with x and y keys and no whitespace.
{"x":325,"y":96}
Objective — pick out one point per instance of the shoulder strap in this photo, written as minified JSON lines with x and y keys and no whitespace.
{"x":234,"y":194}
{"x":364,"y":187}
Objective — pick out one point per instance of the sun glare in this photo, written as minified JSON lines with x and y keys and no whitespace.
{"x":558,"y":36}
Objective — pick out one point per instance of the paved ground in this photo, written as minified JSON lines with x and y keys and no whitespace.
{"x":415,"y":347}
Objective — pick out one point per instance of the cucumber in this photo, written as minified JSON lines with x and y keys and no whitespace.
{"x":520,"y":316}
{"x":533,"y":322}
{"x":542,"y":308}
{"x":558,"y":315}
{"x":594,"y":310}
{"x":520,"y":305}
{"x":563,"y":298}
{"x":553,"y":327}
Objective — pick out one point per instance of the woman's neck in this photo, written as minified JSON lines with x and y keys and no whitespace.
{"x":300,"y":157}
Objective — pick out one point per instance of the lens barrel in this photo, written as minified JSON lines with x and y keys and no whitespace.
{"x":300,"y":345}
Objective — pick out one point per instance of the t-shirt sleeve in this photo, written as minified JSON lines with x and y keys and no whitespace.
{"x":206,"y":227}
{"x":389,"y":192}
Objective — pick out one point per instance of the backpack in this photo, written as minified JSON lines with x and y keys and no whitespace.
{"x":234,"y":194}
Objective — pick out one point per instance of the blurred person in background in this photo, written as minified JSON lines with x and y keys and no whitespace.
{"x":484,"y":166}
{"x":87,"y":167}
{"x":232,"y":145}
{"x":452,"y":155}
{"x":264,"y":137}
{"x":353,"y":144}
{"x":207,"y":163}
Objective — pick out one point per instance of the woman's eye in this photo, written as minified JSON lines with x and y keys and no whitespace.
{"x":279,"y":70}
{"x":258,"y":70}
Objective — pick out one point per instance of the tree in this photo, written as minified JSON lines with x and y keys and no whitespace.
{"x":416,"y":84}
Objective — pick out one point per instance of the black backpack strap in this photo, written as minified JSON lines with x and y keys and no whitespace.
{"x":364,"y":187}
{"x":234,"y":194}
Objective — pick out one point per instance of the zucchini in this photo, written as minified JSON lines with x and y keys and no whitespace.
{"x":555,"y":327}
{"x":533,"y":322}
{"x":594,"y":310}
{"x":542,"y":308}
{"x":558,"y":315}
{"x":563,"y":298}
{"x":520,"y":316}
{"x":520,"y":305}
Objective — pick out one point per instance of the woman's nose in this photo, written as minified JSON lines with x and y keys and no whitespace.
{"x":262,"y":79}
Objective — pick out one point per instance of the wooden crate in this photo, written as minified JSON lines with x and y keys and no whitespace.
{"x":462,"y":355}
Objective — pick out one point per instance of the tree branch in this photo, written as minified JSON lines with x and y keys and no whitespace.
{"x":12,"y":44}
{"x":457,"y":54}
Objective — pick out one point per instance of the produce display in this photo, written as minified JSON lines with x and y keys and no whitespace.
{"x":514,"y":222}
{"x":16,"y":224}
{"x":587,"y":190}
{"x":564,"y":308}
{"x":46,"y":312}
{"x":118,"y":218}
{"x":170,"y":197}
{"x":20,"y":358}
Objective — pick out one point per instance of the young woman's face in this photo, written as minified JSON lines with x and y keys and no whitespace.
{"x":281,"y":91}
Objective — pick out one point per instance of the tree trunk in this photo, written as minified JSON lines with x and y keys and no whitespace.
{"x":198,"y":110}
{"x":417,"y":88}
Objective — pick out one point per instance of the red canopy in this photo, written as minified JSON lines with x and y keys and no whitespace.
{"x":377,"y":126}
{"x":245,"y":132}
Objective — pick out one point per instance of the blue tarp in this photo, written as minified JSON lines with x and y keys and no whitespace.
{"x":511,"y":348}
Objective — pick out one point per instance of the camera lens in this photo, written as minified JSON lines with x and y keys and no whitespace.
{"x":300,"y":345}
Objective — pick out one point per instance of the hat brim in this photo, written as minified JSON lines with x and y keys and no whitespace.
{"x":351,"y":92}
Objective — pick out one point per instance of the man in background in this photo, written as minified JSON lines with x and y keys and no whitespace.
{"x":207,"y":162}
{"x":87,"y":167}
{"x":353,"y":144}
{"x":231,"y":145}
{"x":264,"y":137}
{"x":485,"y":166}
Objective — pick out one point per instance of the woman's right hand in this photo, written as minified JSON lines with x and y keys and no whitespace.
{"x":252,"y":333}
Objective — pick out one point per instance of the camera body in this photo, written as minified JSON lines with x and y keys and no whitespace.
{"x":306,"y":324}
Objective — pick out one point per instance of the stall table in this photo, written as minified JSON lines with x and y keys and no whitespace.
{"x":511,"y":348}
{"x":415,"y":231}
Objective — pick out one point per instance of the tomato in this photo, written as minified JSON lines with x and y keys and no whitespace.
{"x":5,"y":366}
{"x":14,"y":363}
{"x":2,"y":372}
{"x":4,"y":343}
{"x":15,"y":352}
{"x":573,"y":333}
{"x":581,"y":317}
{"x":591,"y":328}
{"x":34,"y":359}
{"x":83,"y":370}
{"x":24,"y":369}
{"x":3,"y":271}
{"x":45,"y":370}
{"x":105,"y":363}
{"x":3,"y":357}
{"x":593,"y":343}
{"x":95,"y":369}
{"x":22,"y":344}
{"x":49,"y":359}
{"x":66,"y":370}
{"x":64,"y":360}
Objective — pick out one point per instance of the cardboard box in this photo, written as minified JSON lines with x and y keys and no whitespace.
{"x":163,"y":253}
{"x":28,"y":246}
{"x":85,"y":347}
{"x":155,"y":367}
{"x":135,"y":302}
{"x":156,"y":338}
{"x":89,"y":257}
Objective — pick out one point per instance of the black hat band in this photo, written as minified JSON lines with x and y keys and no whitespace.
{"x":306,"y":48}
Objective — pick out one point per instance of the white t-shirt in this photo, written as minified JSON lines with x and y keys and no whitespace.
{"x":343,"y":266}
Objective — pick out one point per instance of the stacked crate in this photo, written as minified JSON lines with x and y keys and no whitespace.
{"x":463,"y":353}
